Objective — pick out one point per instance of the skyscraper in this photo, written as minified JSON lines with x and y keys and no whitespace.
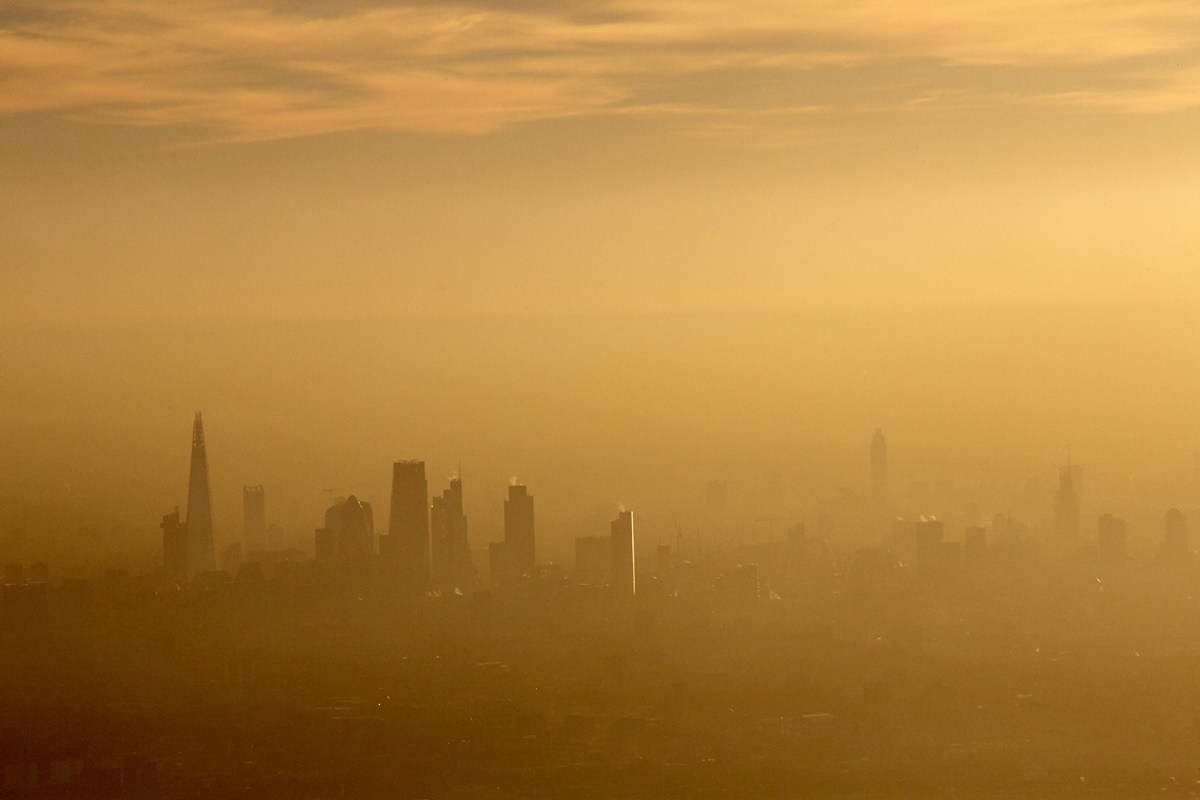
{"x":201,"y":555}
{"x":518,"y":528}
{"x":254,"y":519}
{"x":349,"y":532}
{"x":879,"y":470}
{"x":1175,"y":539}
{"x":405,"y":549}
{"x":175,"y":548}
{"x":624,"y":580}
{"x":451,"y":554}
{"x":1066,"y":511}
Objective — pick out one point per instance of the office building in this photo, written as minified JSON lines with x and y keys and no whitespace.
{"x":1175,"y":536}
{"x":879,"y":471}
{"x":349,"y":532}
{"x":450,"y":552}
{"x":254,"y":519}
{"x":201,"y":553}
{"x":405,"y":549}
{"x":518,"y":528}
{"x":175,"y":548}
{"x":1066,"y":511}
{"x":624,"y":579}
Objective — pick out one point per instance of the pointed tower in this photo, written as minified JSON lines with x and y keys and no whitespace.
{"x":879,"y":471}
{"x":200,"y":551}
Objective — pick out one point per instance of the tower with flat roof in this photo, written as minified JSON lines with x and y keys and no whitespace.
{"x":405,"y":549}
{"x":624,"y":580}
{"x":518,"y":528}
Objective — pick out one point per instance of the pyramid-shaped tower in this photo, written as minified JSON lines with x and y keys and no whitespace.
{"x":200,"y":551}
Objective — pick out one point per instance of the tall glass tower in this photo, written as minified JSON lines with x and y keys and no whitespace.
{"x":200,"y":551}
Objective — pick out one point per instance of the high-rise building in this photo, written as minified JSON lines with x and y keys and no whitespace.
{"x":1175,"y":536}
{"x":349,"y":532}
{"x":254,"y":519}
{"x":1066,"y":511}
{"x":201,"y":553}
{"x":624,"y":580}
{"x":175,"y":548}
{"x":450,"y":551}
{"x":1110,"y":538}
{"x":879,"y":470}
{"x":405,"y":549}
{"x":518,"y":528}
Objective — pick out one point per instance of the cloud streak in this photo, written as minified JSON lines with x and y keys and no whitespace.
{"x":242,"y":70}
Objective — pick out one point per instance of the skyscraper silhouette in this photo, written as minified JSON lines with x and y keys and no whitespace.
{"x":624,"y":580}
{"x":254,"y":519}
{"x":201,"y":556}
{"x":451,"y":554}
{"x":405,"y":549}
{"x":349,"y":532}
{"x":1175,"y":540}
{"x":175,"y":545}
{"x":879,"y":470}
{"x":1066,"y":511}
{"x":518,"y":528}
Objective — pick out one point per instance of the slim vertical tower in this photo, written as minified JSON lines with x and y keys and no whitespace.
{"x":175,"y":544}
{"x":1066,"y":511}
{"x":518,"y":528}
{"x":879,"y":470}
{"x":451,"y":554}
{"x":254,"y":519}
{"x":200,"y":551}
{"x":407,"y":547}
{"x":621,"y":536}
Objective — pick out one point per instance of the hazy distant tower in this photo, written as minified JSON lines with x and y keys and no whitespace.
{"x":201,"y":556}
{"x":349,"y":532}
{"x":1175,"y":540}
{"x":254,"y":519}
{"x":175,"y":544}
{"x":406,"y":547}
{"x":621,"y":536}
{"x":451,"y":553}
{"x":518,"y":528}
{"x":879,"y":470}
{"x":1066,"y":511}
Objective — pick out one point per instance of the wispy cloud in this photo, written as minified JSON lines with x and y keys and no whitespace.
{"x":245,"y":70}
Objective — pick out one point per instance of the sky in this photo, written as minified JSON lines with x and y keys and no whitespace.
{"x":540,"y":236}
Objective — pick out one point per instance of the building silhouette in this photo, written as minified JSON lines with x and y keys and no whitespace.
{"x":201,"y":554}
{"x":518,"y":529}
{"x":405,"y":548}
{"x":879,"y":470}
{"x":450,"y":551}
{"x":175,"y":548}
{"x":349,"y":532}
{"x":624,"y":580}
{"x":254,"y":519}
{"x":1175,"y":536}
{"x":1066,"y":511}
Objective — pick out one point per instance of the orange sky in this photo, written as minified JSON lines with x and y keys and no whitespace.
{"x":171,"y":174}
